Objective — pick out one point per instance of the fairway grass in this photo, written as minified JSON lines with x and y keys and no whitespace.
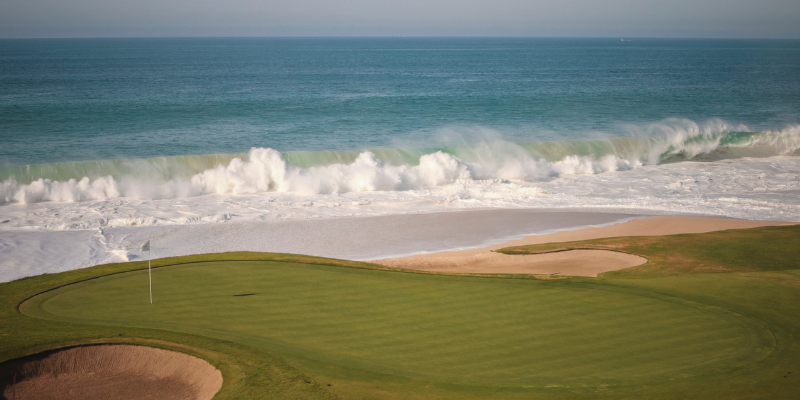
{"x":282,"y":326}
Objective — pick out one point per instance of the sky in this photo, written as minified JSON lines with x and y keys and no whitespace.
{"x":540,"y":18}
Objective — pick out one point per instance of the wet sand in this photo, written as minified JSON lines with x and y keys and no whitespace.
{"x":26,"y":253}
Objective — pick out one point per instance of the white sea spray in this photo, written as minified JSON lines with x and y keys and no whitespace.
{"x":755,"y":175}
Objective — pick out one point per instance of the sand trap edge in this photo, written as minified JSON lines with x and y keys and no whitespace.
{"x":109,"y":371}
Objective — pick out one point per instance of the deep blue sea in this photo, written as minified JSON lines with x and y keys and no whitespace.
{"x":99,"y":119}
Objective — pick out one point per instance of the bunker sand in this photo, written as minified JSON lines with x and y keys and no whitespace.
{"x":573,"y":262}
{"x":112,"y":372}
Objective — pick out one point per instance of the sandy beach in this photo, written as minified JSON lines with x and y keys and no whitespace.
{"x":26,"y":252}
{"x":576,"y":262}
{"x":460,"y":241}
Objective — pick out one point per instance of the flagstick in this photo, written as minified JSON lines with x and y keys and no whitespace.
{"x":150,"y":274}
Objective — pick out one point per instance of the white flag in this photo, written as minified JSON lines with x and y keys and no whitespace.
{"x":146,"y":246}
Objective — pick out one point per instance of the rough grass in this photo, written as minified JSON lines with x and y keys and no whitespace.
{"x":282,"y":326}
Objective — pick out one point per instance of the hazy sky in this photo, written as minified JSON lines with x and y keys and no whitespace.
{"x":624,"y":18}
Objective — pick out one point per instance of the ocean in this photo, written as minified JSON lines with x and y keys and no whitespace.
{"x":99,"y":133}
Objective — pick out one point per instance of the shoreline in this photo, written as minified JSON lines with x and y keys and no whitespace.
{"x":573,"y":262}
{"x":392,"y":239}
{"x":355,"y":238}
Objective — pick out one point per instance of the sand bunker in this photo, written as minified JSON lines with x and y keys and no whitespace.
{"x":574,"y":262}
{"x":112,"y":372}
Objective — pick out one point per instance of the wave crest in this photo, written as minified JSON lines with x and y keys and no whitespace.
{"x":267,"y":170}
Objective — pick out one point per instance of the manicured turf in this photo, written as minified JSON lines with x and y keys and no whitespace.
{"x":439,"y":328}
{"x":297,"y":327}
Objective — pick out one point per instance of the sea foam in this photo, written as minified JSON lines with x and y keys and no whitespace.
{"x":268,"y":170}
{"x":264,"y":170}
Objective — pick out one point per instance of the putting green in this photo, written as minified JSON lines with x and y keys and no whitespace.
{"x":365,"y":325}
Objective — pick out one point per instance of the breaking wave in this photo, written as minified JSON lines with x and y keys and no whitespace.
{"x":267,"y":170}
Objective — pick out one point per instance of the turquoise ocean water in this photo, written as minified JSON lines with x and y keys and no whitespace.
{"x":283,"y":144}
{"x":95,"y":119}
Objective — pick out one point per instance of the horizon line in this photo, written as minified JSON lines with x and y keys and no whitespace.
{"x":400,"y":37}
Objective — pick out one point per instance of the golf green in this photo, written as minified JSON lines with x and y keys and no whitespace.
{"x":350,"y":324}
{"x":713,"y":315}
